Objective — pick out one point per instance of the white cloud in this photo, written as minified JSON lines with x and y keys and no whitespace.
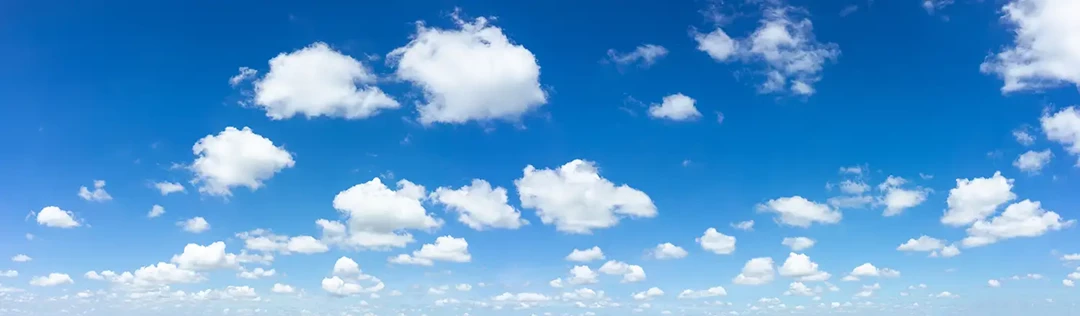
{"x":556,"y":283}
{"x":1021,"y":219}
{"x":319,"y":81}
{"x":53,"y":279}
{"x":1071,"y":257}
{"x":337,"y":286}
{"x":52,"y":216}
{"x":236,"y":158}
{"x":924,"y":243}
{"x":668,"y":251}
{"x":1023,"y":137}
{"x":798,"y":288}
{"x":945,"y":294}
{"x":947,"y":252}
{"x":576,"y":199}
{"x":1068,"y":283}
{"x":800,"y":212}
{"x":1032,"y":161}
{"x":167,"y":188}
{"x":591,"y":254}
{"x":582,"y":275}
{"x":265,"y":241}
{"x":786,"y":45}
{"x":869,"y":270}
{"x":717,"y":44}
{"x":1064,"y":127}
{"x":243,"y":74}
{"x":649,"y":294}
{"x":799,"y":266}
{"x":256,"y":273}
{"x":675,"y":107}
{"x":717,"y":242}
{"x":378,"y":216}
{"x":194,"y":225}
{"x":282,"y":289}
{"x":798,"y":243}
{"x":933,"y":5}
{"x":1046,"y":48}
{"x":850,"y":201}
{"x":346,"y":266}
{"x":757,"y":271}
{"x":445,"y":248}
{"x":897,"y":199}
{"x":151,"y":276}
{"x":200,"y":258}
{"x":472,"y":73}
{"x":463,"y":287}
{"x":744,"y":225}
{"x":993,"y":283}
{"x":480,"y":206}
{"x":155,"y":211}
{"x":975,"y":199}
{"x":855,"y":170}
{"x":9,"y":273}
{"x":645,"y":55}
{"x":21,"y":258}
{"x":630,"y":273}
{"x":853,"y":187}
{"x":710,"y":292}
{"x":97,"y":195}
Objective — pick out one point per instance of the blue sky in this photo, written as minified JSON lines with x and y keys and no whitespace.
{"x":456,"y":153}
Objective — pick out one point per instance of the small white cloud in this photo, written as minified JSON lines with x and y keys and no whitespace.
{"x":993,"y":283}
{"x":1032,"y":161}
{"x":649,"y":294}
{"x":800,"y":212}
{"x":167,"y":188}
{"x":155,"y":211}
{"x":717,"y":242}
{"x":53,"y":279}
{"x":630,"y":273}
{"x":666,"y":251}
{"x":975,"y":199}
{"x":582,"y":275}
{"x":445,"y":248}
{"x":744,"y":225}
{"x":798,"y":243}
{"x":21,"y":258}
{"x":587,"y":255}
{"x":52,"y":216}
{"x":1023,"y":137}
{"x":243,"y":74}
{"x":234,"y":158}
{"x":645,"y":55}
{"x":97,"y":195}
{"x":577,"y":200}
{"x":710,"y":292}
{"x":1068,"y":283}
{"x":1063,"y":127}
{"x":282,"y":289}
{"x":1021,"y":219}
{"x":194,"y":225}
{"x":9,"y":273}
{"x":675,"y":107}
{"x":924,"y":243}
{"x":757,"y":271}
{"x":480,"y":206}
{"x":201,"y":258}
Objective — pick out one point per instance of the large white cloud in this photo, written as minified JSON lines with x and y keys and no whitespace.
{"x":1064,"y":127}
{"x":793,"y":58}
{"x":576,"y":199}
{"x":675,"y":107}
{"x":319,"y":81}
{"x":800,"y":212}
{"x":52,"y":216}
{"x":234,"y":158}
{"x":717,"y":242}
{"x":975,"y":199}
{"x":377,"y":216}
{"x":445,"y":248}
{"x":1046,"y":45}
{"x":472,"y":73}
{"x":480,"y":206}
{"x":757,"y":271}
{"x":1021,"y":219}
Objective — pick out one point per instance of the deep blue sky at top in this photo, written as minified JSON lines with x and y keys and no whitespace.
{"x":121,"y":90}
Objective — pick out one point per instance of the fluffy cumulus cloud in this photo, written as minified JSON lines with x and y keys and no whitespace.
{"x":282,"y":288}
{"x":1032,"y":161}
{"x":649,"y":294}
{"x":924,"y":243}
{"x":265,"y":241}
{"x":667,"y":251}
{"x":975,"y":199}
{"x":149,"y":277}
{"x":472,"y":73}
{"x":347,"y":279}
{"x":896,"y":198}
{"x":53,"y":279}
{"x":800,"y":267}
{"x":757,"y":271}
{"x":675,"y":107}
{"x":800,"y":212}
{"x":21,"y":258}
{"x":377,"y":216}
{"x":869,"y":270}
{"x":1046,"y":45}
{"x":319,"y":81}
{"x":1064,"y":127}
{"x":577,"y":200}
{"x":445,"y":248}
{"x":785,"y":43}
{"x":201,"y":258}
{"x":630,"y":273}
{"x":194,"y":225}
{"x":480,"y":206}
{"x":798,"y":243}
{"x":706,"y":293}
{"x":155,"y":211}
{"x":644,"y":55}
{"x":582,"y":275}
{"x":716,"y":242}
{"x":236,"y":158}
{"x":98,"y":194}
{"x":587,"y":255}
{"x":1021,"y":219}
{"x":166,"y":188}
{"x":52,"y":216}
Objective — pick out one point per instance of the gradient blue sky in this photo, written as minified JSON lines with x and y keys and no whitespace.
{"x":121,"y":92}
